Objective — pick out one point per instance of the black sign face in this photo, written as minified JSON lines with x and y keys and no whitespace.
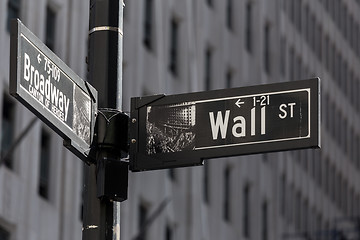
{"x":50,"y":89}
{"x":181,"y":130}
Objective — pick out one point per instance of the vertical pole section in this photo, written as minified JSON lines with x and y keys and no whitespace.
{"x":101,"y":219}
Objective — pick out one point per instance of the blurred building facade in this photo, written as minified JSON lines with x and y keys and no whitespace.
{"x":185,"y":46}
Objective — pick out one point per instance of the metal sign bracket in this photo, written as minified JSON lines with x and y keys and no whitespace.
{"x":109,"y":147}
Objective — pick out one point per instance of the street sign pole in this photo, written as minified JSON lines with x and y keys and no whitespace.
{"x":106,"y":182}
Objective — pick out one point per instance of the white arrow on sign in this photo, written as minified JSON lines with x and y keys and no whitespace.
{"x":39,"y":58}
{"x":239,"y":102}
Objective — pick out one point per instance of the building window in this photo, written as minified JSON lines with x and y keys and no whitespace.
{"x":206,"y":183}
{"x":229,"y":78}
{"x":267,"y":45}
{"x":290,"y":203}
{"x":357,"y":154}
{"x":319,"y":41}
{"x":13,"y":11}
{"x":312,"y":30}
{"x":298,"y":67}
{"x":82,"y":192}
{"x":248,"y":28}
{"x":7,"y":129}
{"x":44,"y":165}
{"x":50,"y":28}
{"x":171,"y":174}
{"x":351,"y":208}
{"x":337,"y":190}
{"x":326,"y":52}
{"x":292,"y":63}
{"x":168,"y":233}
{"x":143,"y":212}
{"x":298,"y":210}
{"x":319,"y":165}
{"x":342,"y":23}
{"x":4,"y":235}
{"x":326,"y":176}
{"x":283,"y":56}
{"x":344,"y":196}
{"x":148,"y":24}
{"x":292,"y":10}
{"x":282,"y":195}
{"x":298,"y":12}
{"x":307,"y":23}
{"x":264,"y":217}
{"x":208,"y":67}
{"x":227,"y":191}
{"x":351,"y":87}
{"x":246,"y":211}
{"x":332,"y":183}
{"x":304,"y":221}
{"x":173,"y":58}
{"x":331,"y":8}
{"x":358,"y":40}
{"x":229,"y":14}
{"x":357,"y":210}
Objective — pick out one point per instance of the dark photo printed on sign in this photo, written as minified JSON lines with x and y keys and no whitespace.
{"x":82,"y":115}
{"x":170,"y":128}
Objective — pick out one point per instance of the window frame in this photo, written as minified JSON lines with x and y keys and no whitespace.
{"x":8,"y":102}
{"x":174,"y":46}
{"x":50,"y":27}
{"x":44,"y":164}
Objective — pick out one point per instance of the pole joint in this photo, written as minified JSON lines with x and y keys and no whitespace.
{"x":109,"y":147}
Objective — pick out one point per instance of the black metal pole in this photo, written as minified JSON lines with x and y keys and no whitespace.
{"x":103,"y":192}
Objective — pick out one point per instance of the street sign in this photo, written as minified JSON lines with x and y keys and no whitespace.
{"x":182,"y":130}
{"x":51,"y":90}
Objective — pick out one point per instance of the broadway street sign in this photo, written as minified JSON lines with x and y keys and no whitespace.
{"x":182,"y":130}
{"x":51,"y":90}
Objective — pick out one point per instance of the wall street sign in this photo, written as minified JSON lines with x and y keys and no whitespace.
{"x":182,"y":130}
{"x":51,"y":90}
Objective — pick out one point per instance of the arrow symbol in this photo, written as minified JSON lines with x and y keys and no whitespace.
{"x":239,"y":102}
{"x":39,"y":58}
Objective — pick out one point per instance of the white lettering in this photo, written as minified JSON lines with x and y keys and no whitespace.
{"x":67,"y":102}
{"x":35,"y":93}
{"x":263,"y":119}
{"x":61,"y":101}
{"x":253,"y":121}
{"x":284,"y":112}
{"x":36,"y":79}
{"x":41,"y":84}
{"x":241,"y":125}
{"x":47,"y":88}
{"x":291,"y":105}
{"x":32,"y":69}
{"x":41,"y":88}
{"x":57,"y":112}
{"x":54,"y":95}
{"x":220,"y":123}
{"x":26,"y":67}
